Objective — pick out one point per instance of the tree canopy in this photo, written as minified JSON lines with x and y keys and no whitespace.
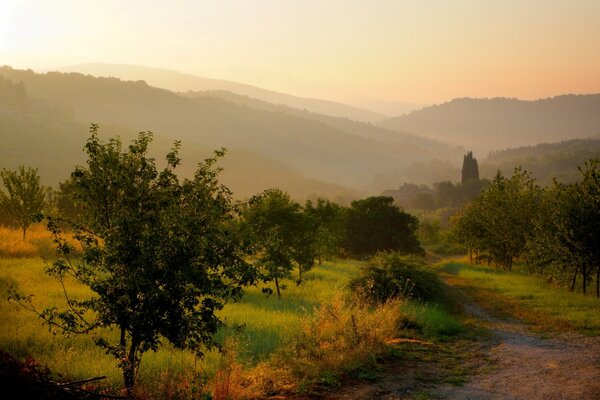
{"x":156,"y":252}
{"x":24,"y":197}
{"x":376,"y":224}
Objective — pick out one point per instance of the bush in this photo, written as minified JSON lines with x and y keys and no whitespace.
{"x":388,"y":276}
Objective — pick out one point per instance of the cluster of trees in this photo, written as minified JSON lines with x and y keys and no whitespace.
{"x":162,"y":254}
{"x":555,"y":229}
{"x":444,"y":194}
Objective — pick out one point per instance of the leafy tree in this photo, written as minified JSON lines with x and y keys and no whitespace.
{"x":470,"y":168}
{"x":566,"y":240}
{"x":376,"y":224}
{"x":328,"y":220}
{"x":155,"y":253}
{"x":24,"y":196}
{"x":270,"y":223}
{"x":498,"y":222}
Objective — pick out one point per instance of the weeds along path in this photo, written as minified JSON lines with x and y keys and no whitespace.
{"x":522,"y":365}
{"x":499,"y":357}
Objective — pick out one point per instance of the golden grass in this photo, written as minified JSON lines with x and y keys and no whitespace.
{"x":38,"y":242}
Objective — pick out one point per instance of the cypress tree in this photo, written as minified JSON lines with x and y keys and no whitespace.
{"x":470,"y":169}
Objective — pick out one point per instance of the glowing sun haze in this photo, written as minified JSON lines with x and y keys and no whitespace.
{"x":418,"y":51}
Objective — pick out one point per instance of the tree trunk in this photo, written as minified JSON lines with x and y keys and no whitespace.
{"x":129,"y":371}
{"x":574,"y":279}
{"x":299,"y":274}
{"x":24,"y":228}
{"x":598,"y":282}
{"x":277,"y":287}
{"x":584,"y":273}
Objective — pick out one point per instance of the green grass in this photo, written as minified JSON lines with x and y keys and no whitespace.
{"x":267,"y":324}
{"x":432,"y":320}
{"x":535,"y":299}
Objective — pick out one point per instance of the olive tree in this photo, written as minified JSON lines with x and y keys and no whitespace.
{"x":24,"y":197}
{"x":155,"y":253}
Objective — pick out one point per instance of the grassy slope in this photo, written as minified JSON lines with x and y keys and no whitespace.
{"x":269,"y":322}
{"x":548,"y":307}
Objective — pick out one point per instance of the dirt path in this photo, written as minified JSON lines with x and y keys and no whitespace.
{"x":525,"y":366}
{"x":509,"y":363}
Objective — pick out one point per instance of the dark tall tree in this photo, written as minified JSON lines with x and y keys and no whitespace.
{"x":470,"y":168}
{"x":156,"y":253}
{"x":24,"y":196}
{"x":376,"y":224}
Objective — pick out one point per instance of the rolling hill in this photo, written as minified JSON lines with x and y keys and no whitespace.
{"x":492,"y":124}
{"x":545,"y":161}
{"x":277,"y":141}
{"x":179,"y":82}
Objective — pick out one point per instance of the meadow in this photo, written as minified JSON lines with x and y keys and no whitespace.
{"x":265,"y":338}
{"x":547,"y":306}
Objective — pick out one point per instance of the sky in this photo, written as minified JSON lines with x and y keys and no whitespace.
{"x":420,"y":51}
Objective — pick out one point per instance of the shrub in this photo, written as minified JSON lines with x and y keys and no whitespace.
{"x":388,"y":276}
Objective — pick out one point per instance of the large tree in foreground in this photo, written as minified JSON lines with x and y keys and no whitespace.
{"x":155,"y":253}
{"x":24,"y":196}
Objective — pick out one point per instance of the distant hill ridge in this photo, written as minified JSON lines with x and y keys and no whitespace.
{"x":316,"y":147}
{"x":545,"y":161}
{"x":180,"y":82}
{"x":490,"y":124}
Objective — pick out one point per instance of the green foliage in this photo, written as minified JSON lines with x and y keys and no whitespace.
{"x":274,"y":226}
{"x":156,"y":254}
{"x":566,"y":240}
{"x":433,"y":321}
{"x":376,"y":224}
{"x":496,"y":224}
{"x":546,"y":161}
{"x":24,"y":198}
{"x":327,"y":220}
{"x":388,"y":276}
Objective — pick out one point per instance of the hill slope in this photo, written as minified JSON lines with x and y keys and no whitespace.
{"x":312,"y":147}
{"x":180,"y":82}
{"x":545,"y":160}
{"x":44,"y":136}
{"x":490,"y":124}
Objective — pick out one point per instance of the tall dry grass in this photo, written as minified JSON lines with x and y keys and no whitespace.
{"x":343,"y":334}
{"x":38,"y":242}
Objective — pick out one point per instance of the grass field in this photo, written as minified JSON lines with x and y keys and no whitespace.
{"x":268,"y":322}
{"x":309,"y":315}
{"x":548,"y":306}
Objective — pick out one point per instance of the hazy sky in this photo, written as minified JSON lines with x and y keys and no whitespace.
{"x":419,"y":51}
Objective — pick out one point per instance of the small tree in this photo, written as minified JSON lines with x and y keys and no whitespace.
{"x":328,"y":221}
{"x":376,"y":224}
{"x":499,"y":221}
{"x":156,"y":253}
{"x":24,"y":196}
{"x":270,"y":223}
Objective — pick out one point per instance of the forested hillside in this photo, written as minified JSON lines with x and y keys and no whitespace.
{"x":545,"y":160}
{"x":491,"y":124}
{"x":330,"y":151}
{"x":180,"y":82}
